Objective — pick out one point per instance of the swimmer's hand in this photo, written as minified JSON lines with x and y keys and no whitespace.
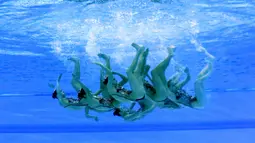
{"x":51,"y":85}
{"x":96,"y":118}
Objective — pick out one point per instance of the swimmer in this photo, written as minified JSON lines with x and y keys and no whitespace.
{"x":104,"y":82}
{"x":109,"y":84}
{"x":158,"y":91}
{"x":116,"y":91}
{"x":72,"y":103}
{"x":173,"y":83}
{"x":86,"y":98}
{"x":60,"y":95}
{"x":199,"y":100}
{"x":136,"y":77}
{"x":182,"y":97}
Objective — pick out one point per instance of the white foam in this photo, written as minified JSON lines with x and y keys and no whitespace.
{"x":25,"y":3}
{"x":19,"y":53}
{"x":113,"y":26}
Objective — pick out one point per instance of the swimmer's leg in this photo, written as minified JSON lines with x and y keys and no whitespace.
{"x":137,"y":47}
{"x":145,"y":73}
{"x":76,"y":83}
{"x":102,"y":72}
{"x":186,"y":80}
{"x":159,"y":71}
{"x":77,"y":70}
{"x":142,"y":58}
{"x":76,"y":75}
{"x":89,"y":116}
{"x":142,"y":62}
{"x":133,"y":65}
{"x":210,"y":59}
{"x":159,"y":79}
{"x":106,"y":58}
{"x":110,"y":87}
{"x":58,"y":83}
{"x":200,"y":97}
{"x":146,"y":70}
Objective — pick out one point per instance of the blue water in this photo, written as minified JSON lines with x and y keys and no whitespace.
{"x":37,"y":36}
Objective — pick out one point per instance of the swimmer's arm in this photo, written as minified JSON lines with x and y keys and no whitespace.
{"x":51,"y":85}
{"x":149,"y":78}
{"x":101,"y":78}
{"x":67,"y":104}
{"x":146,"y":71}
{"x":185,"y":81}
{"x":89,"y":116}
{"x":124,"y":78}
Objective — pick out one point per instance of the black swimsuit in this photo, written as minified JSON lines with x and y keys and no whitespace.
{"x":140,"y":98}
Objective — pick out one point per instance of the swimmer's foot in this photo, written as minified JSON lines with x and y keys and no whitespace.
{"x":73,"y":59}
{"x":103,"y":56}
{"x":136,"y":46}
{"x":146,"y":52}
{"x":171,"y":50}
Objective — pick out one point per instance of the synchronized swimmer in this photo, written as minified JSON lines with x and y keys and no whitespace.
{"x":157,"y":91}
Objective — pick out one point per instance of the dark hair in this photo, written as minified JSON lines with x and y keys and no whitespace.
{"x":105,"y":80}
{"x":149,"y":86}
{"x":124,"y":90}
{"x":81,"y":94}
{"x":117,"y":112}
{"x":54,"y":94}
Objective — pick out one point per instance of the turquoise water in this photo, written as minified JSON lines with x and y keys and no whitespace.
{"x":37,"y":36}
